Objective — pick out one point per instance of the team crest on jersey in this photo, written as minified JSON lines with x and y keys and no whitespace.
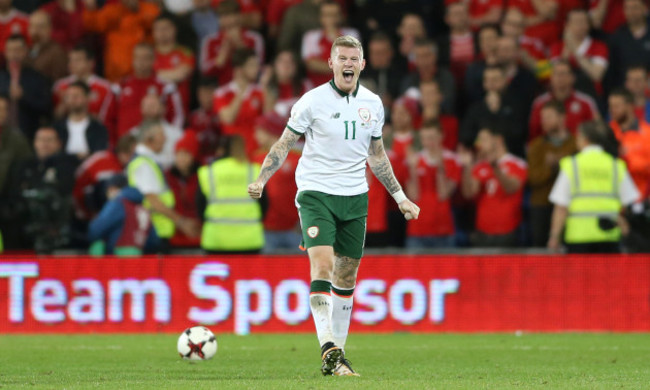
{"x":312,"y":231}
{"x":364,"y":114}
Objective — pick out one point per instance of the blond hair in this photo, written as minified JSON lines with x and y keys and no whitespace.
{"x":347,"y":41}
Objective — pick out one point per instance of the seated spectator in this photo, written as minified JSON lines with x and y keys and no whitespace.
{"x":426,"y":55}
{"x":317,"y":43}
{"x":103,"y":101}
{"x":497,"y":182}
{"x":174,"y":63}
{"x":124,"y":24}
{"x":383,"y":70}
{"x":67,"y":21}
{"x":217,"y":50}
{"x":46,"y":56}
{"x":232,"y":221}
{"x":205,"y":121}
{"x":606,"y":15}
{"x":456,"y":49}
{"x":578,"y":106}
{"x":90,"y":178}
{"x":205,"y":21}
{"x":12,"y":22}
{"x":636,"y":82}
{"x":544,"y":155}
{"x":633,"y":136}
{"x":411,"y":30}
{"x":41,"y":189}
{"x":588,"y":57}
{"x":298,"y":19}
{"x":241,"y":101}
{"x":541,"y":18}
{"x":146,"y":175}
{"x":435,"y":175}
{"x":123,"y":227}
{"x":430,"y":100}
{"x":533,"y":50}
{"x":281,"y":224}
{"x":499,"y":108}
{"x":283,"y":84}
{"x":28,"y":90}
{"x":144,"y":82}
{"x":488,"y":39}
{"x":80,"y":133}
{"x":183,"y":182}
{"x":152,"y":112}
{"x":630,"y":44}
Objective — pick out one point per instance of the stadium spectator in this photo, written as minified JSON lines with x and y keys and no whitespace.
{"x":298,"y":19}
{"x":630,"y":44}
{"x":103,"y":101}
{"x":274,"y":16}
{"x":204,"y":19}
{"x":281,"y":224}
{"x":146,"y":175}
{"x":633,"y":136}
{"x":152,"y":111}
{"x":205,"y":121}
{"x":241,"y":101}
{"x":28,"y":90}
{"x":606,"y":15}
{"x":141,"y":83}
{"x":12,"y":22}
{"x":386,"y":15}
{"x":541,"y":18}
{"x":430,"y":99}
{"x":500,"y":108}
{"x":317,"y":43}
{"x":184,"y":183}
{"x":383,"y":69}
{"x":251,"y":12}
{"x":434,"y":176}
{"x":123,"y":227}
{"x":636,"y":82}
{"x":578,"y":106}
{"x":520,"y":81}
{"x":66,"y":17}
{"x":544,"y":155}
{"x":588,"y":57}
{"x":217,"y":50}
{"x":80,"y":133}
{"x":497,"y":182}
{"x":14,"y":147}
{"x":46,"y":56}
{"x":283,"y":84}
{"x":533,"y":50}
{"x":426,"y":54}
{"x":124,"y":24}
{"x":90,"y":177}
{"x":456,"y":49}
{"x":232,"y":220}
{"x":411,"y":30}
{"x":588,"y":194}
{"x":488,"y":39}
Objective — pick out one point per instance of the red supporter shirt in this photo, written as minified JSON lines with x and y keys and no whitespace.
{"x":435,"y":217}
{"x":533,"y":46}
{"x":496,"y":211}
{"x":184,"y":190}
{"x":281,"y":191}
{"x":596,"y":51}
{"x":316,"y":45}
{"x":98,"y":166}
{"x":103,"y":102}
{"x":379,"y":200}
{"x":276,"y":10}
{"x":210,"y":49}
{"x":67,"y":27}
{"x":449,"y":124}
{"x":401,"y":144}
{"x":479,"y":8}
{"x":614,"y":17}
{"x":251,"y":108}
{"x":15,"y":22}
{"x":579,"y":108}
{"x":287,"y":97}
{"x":180,"y":55}
{"x":132,"y":90}
{"x":206,"y":125}
{"x":548,"y":31}
{"x":462,"y":49}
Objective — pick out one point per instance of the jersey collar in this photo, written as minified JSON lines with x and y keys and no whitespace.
{"x":343,"y":94}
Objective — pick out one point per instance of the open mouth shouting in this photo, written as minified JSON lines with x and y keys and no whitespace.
{"x":348,"y":76}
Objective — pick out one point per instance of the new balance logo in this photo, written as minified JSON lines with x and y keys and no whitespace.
{"x":335,"y":115}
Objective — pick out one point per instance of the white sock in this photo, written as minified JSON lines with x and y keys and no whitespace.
{"x":321,"y":309}
{"x":341,"y":313}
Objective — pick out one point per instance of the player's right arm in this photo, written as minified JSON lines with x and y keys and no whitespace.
{"x":273,"y":161}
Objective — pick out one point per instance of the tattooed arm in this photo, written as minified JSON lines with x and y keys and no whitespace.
{"x":273,"y":162}
{"x":380,"y":166}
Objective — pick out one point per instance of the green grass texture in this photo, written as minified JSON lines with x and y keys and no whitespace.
{"x":385,"y":361}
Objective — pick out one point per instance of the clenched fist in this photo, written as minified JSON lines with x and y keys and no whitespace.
{"x":409,"y":209}
{"x":255,"y":190}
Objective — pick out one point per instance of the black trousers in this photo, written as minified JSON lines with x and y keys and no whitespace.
{"x":594,"y":247}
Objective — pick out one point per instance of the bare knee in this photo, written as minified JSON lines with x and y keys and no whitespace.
{"x":321,"y":259}
{"x":345,"y":271}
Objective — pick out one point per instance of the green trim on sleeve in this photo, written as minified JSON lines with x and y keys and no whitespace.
{"x":297,"y":132}
{"x":375,"y":138}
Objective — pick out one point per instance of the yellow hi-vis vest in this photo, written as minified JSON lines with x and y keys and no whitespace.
{"x":164,"y":226}
{"x":233,"y":221}
{"x":595,"y":178}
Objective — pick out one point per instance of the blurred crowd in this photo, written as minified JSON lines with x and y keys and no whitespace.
{"x":130,"y":126}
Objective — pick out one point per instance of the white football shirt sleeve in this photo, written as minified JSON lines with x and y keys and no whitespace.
{"x":301,"y":118}
{"x":379,"y":125}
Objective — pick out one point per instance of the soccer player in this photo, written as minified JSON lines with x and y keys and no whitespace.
{"x":342,"y":124}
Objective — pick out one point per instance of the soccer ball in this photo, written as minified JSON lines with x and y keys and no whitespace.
{"x":197,"y":343}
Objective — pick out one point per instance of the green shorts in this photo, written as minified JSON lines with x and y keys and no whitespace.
{"x":333,"y":220}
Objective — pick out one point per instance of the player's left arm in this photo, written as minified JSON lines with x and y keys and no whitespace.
{"x":383,"y":171}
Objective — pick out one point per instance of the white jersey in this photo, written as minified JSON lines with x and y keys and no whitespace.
{"x":338,"y":129}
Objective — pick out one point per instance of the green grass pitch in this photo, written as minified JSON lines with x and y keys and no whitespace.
{"x":396,"y":361}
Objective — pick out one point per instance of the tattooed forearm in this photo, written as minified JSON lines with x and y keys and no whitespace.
{"x":277,"y":155}
{"x":345,"y":271}
{"x":380,"y":166}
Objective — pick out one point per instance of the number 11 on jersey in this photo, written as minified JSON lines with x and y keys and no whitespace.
{"x":354,"y":129}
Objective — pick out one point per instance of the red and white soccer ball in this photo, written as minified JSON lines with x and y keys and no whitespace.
{"x":197,"y":343}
